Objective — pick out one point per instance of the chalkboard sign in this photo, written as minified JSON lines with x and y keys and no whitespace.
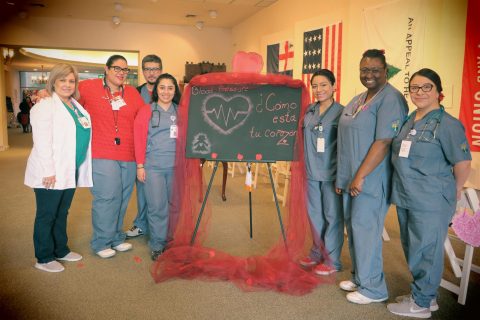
{"x":243,"y":122}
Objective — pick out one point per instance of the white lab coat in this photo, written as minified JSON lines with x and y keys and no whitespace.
{"x":54,"y":146}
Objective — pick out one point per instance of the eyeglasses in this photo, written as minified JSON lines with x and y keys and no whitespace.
{"x":374,"y":71}
{"x":117,"y":69}
{"x":152,"y":69}
{"x":427,"y":87}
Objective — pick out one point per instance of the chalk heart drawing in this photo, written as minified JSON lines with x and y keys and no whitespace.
{"x":226,"y":114}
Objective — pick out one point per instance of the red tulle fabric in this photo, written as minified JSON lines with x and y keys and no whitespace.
{"x":278,"y":269}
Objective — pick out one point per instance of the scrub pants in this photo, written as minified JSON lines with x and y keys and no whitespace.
{"x":326,"y":222}
{"x":364,"y":217}
{"x":112,"y":187}
{"x":50,"y":228}
{"x":158,"y":194}
{"x":423,"y":234}
{"x":141,"y":218}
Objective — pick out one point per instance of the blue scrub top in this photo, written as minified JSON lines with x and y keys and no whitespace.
{"x":380,"y":119}
{"x":425,"y":180}
{"x":321,"y":166}
{"x":146,"y":95}
{"x":160,"y":153}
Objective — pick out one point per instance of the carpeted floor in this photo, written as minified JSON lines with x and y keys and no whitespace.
{"x":122,"y":288}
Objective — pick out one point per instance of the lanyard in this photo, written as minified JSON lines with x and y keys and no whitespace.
{"x":110,"y":99}
{"x":321,"y":117}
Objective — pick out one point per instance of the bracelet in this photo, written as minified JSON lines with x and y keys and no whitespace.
{"x":140,"y":167}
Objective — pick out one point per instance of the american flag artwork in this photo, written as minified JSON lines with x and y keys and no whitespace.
{"x":322,"y":49}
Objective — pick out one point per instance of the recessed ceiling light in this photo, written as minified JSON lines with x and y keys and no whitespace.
{"x":37,"y":70}
{"x":86,"y":71}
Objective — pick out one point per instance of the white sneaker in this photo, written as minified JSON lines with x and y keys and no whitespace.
{"x":408,"y":297}
{"x":107,"y":253}
{"x":348,"y":285}
{"x":71,"y":256}
{"x":52,"y":266}
{"x":408,"y":308}
{"x":134,"y":232}
{"x":358,"y":298}
{"x":123,"y":247}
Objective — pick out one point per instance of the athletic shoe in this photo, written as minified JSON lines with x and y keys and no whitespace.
{"x":71,"y":256}
{"x":408,"y":297}
{"x":157,"y":253}
{"x":348,"y":285}
{"x":52,"y":266}
{"x":134,"y":232}
{"x":408,"y":308}
{"x":324,"y":270}
{"x":107,"y":253}
{"x":123,"y":247}
{"x":358,"y":298}
{"x":308,"y":262}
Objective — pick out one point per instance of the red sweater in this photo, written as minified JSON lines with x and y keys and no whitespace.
{"x":94,"y":98}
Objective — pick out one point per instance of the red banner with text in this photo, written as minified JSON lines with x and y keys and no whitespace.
{"x":470,"y":102}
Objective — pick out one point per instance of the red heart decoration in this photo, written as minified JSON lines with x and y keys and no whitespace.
{"x":258,"y":156}
{"x":214,"y":155}
{"x":248,"y":62}
{"x":240,"y":156}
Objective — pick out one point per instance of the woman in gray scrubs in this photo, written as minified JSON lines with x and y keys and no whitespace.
{"x":366,"y":129}
{"x":324,"y":205}
{"x":431,"y":161}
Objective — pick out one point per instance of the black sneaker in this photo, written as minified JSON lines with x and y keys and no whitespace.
{"x":156,"y":254}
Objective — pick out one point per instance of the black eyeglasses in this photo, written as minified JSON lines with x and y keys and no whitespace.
{"x":375,"y":71}
{"x":117,"y":69}
{"x":427,"y":87}
{"x":152,"y":69}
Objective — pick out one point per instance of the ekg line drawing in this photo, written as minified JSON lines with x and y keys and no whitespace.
{"x":238,"y":108}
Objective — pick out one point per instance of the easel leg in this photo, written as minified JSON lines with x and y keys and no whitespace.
{"x":276,"y":203}
{"x":194,"y":235}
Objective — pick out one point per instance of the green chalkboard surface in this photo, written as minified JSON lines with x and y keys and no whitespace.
{"x":243,"y":122}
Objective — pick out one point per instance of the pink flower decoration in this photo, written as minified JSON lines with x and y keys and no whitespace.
{"x":467,"y":227}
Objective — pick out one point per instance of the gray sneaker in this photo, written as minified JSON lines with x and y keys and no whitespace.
{"x":433,"y":304}
{"x":134,"y":232}
{"x":408,"y":308}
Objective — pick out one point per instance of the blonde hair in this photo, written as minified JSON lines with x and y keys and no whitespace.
{"x":60,"y":71}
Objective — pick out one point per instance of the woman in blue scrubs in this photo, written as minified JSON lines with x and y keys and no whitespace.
{"x":366,"y":129}
{"x":431,"y":161}
{"x":324,"y":205}
{"x":155,"y":141}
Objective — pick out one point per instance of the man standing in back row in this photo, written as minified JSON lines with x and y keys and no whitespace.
{"x":152,"y":69}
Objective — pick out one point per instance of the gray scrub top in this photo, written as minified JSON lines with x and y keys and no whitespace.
{"x":160,"y":153}
{"x":425,"y":180}
{"x":146,"y":95}
{"x":380,"y":119}
{"x":321,"y":166}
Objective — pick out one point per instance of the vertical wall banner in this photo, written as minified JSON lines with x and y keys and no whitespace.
{"x":322,"y":49}
{"x":398,"y":27}
{"x":470,"y":101}
{"x":280,"y":58}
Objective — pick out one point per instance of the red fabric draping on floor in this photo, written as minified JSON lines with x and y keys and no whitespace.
{"x":278,"y":269}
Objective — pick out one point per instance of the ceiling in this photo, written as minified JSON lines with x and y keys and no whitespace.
{"x":170,"y":12}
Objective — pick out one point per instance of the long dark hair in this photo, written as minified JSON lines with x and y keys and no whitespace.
{"x":176,"y":96}
{"x":326,"y":73}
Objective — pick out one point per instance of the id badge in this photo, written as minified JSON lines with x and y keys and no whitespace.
{"x":405,"y":148}
{"x":173,"y":131}
{"x":117,"y":103}
{"x":84,"y":122}
{"x":321,"y":145}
